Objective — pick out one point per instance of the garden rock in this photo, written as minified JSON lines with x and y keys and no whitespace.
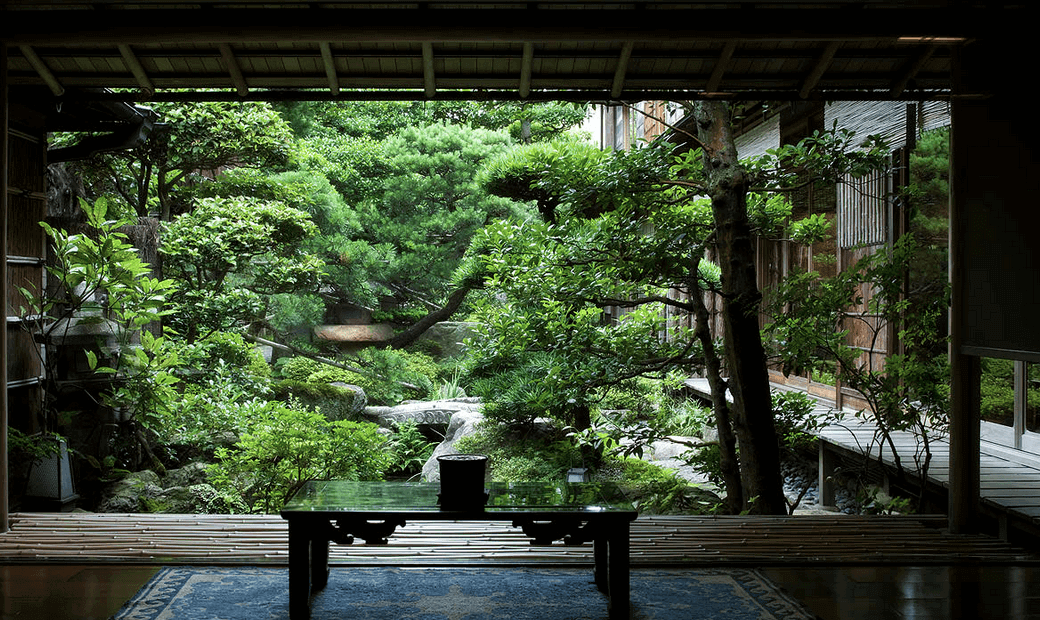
{"x":428,"y":413}
{"x":448,"y":337}
{"x":463,"y":423}
{"x":127,"y":494}
{"x":192,"y":473}
{"x":664,"y":449}
{"x":354,"y":398}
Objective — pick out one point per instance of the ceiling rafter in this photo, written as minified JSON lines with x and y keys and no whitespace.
{"x":329,"y":61}
{"x":135,"y":68}
{"x":633,"y":50}
{"x":618,"y":85}
{"x":267,"y":25}
{"x":720,"y":67}
{"x":42,"y":70}
{"x":914,"y":67}
{"x":526,"y":64}
{"x":429,"y":76}
{"x":233,"y":69}
{"x":822,"y":63}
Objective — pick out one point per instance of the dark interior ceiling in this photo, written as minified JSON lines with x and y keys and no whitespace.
{"x":606,"y":50}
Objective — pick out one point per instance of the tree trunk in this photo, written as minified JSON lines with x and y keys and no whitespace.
{"x":412,"y":334}
{"x":728,"y":461}
{"x":748,"y":377}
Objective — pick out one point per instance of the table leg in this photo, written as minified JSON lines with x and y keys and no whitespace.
{"x":600,"y":571}
{"x":299,"y":570}
{"x":319,"y":561}
{"x":617,"y":572}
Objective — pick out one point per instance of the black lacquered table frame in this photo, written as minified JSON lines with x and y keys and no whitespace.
{"x":572,"y":519}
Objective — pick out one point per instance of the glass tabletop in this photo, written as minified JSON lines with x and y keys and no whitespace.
{"x":422,"y":497}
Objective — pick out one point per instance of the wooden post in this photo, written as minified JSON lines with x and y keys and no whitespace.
{"x":5,"y":122}
{"x":965,"y":370}
{"x":828,"y":459}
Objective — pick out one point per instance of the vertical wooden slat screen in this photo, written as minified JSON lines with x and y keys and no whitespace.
{"x":862,"y":210}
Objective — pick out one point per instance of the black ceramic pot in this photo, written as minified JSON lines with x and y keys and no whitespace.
{"x":462,"y":481}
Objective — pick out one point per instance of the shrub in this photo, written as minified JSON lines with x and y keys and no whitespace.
{"x":386,"y":372}
{"x":794,"y":420}
{"x":409,"y":449}
{"x":226,"y":348}
{"x":520,"y":457}
{"x":334,"y":402}
{"x":289,"y":446}
{"x":656,"y":490}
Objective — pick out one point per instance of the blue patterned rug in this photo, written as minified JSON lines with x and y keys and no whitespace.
{"x":193,"y":593}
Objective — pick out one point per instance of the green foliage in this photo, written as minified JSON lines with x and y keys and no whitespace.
{"x":449,"y":388}
{"x":516,"y":456}
{"x":224,"y":349}
{"x":656,"y":490}
{"x":333,"y":401}
{"x":795,"y":422}
{"x":524,"y":173}
{"x":209,"y":501}
{"x":103,"y":278}
{"x":409,"y":449}
{"x":911,"y":392}
{"x":810,"y":229}
{"x":828,"y":155}
{"x":517,"y":393}
{"x":287,"y":446}
{"x":386,"y":370}
{"x":429,"y":208}
{"x":228,"y":253}
{"x":998,"y":392}
{"x":639,"y":396}
{"x":930,"y":186}
{"x":685,"y":417}
{"x":195,"y":137}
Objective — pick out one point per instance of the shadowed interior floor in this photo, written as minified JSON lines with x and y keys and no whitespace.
{"x":833,"y":593}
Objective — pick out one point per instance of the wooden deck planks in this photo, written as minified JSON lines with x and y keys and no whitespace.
{"x":659,"y":540}
{"x":1010,"y":479}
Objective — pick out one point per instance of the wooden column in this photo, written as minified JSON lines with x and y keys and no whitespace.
{"x":5,"y":122}
{"x":965,"y":396}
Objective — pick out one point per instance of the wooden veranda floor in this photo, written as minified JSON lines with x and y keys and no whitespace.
{"x":86,"y":538}
{"x":1009,"y":479}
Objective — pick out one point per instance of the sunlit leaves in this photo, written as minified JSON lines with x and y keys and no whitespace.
{"x":229,"y":251}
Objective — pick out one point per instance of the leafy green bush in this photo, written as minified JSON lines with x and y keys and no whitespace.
{"x":333,"y":401}
{"x":224,"y":382}
{"x":998,"y":392}
{"x":657,"y":490}
{"x":409,"y":449}
{"x":223,"y":349}
{"x":639,"y":396}
{"x":518,"y":395}
{"x":287,"y":446}
{"x":517,"y":457}
{"x":686,"y":417}
{"x":386,"y":372}
{"x":794,"y":420}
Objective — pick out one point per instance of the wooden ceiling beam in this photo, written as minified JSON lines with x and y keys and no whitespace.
{"x":42,"y":70}
{"x":234,"y":71}
{"x":429,"y":75}
{"x":900,"y":83}
{"x":135,"y":67}
{"x":720,"y":67}
{"x":329,"y":61}
{"x":261,"y":25}
{"x":618,"y":84}
{"x":526,"y":65}
{"x":819,"y":69}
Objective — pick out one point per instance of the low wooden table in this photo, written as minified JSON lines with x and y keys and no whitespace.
{"x":339,"y":511}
